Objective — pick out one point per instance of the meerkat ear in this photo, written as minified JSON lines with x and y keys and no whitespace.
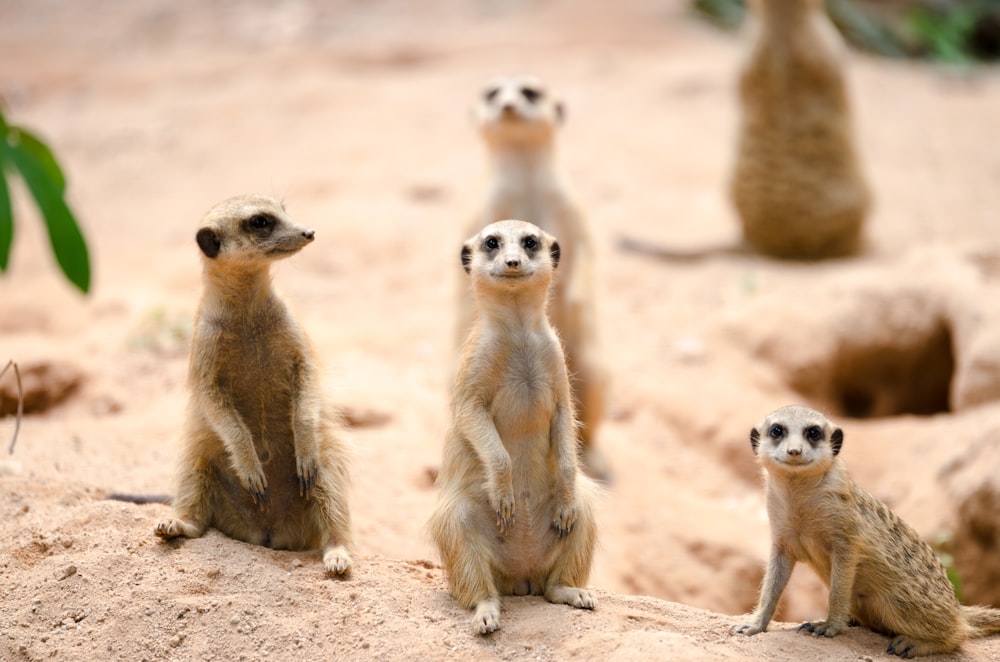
{"x":208,"y":242}
{"x":837,"y":440}
{"x":467,"y":258}
{"x":555,"y":252}
{"x":560,"y":112}
{"x":754,"y":439}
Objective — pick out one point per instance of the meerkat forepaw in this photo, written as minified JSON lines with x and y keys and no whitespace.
{"x":825,"y":628}
{"x":749,"y":629}
{"x":306,"y":468}
{"x":256,"y":484}
{"x":505,"y":512}
{"x":564,"y":520}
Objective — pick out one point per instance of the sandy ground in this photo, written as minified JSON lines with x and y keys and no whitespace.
{"x":357,"y":115}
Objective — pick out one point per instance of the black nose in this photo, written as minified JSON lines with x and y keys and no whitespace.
{"x":795,"y":451}
{"x":309,"y":234}
{"x":513,"y":263}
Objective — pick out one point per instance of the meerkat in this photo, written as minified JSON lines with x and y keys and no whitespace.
{"x":518,"y":119}
{"x":514,"y":514}
{"x":261,"y":460}
{"x":879,"y":572}
{"x":797,"y":183}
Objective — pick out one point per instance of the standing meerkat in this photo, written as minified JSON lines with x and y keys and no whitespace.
{"x":878,"y":570}
{"x":797,"y":183}
{"x":261,"y":460}
{"x":518,"y":119}
{"x":514,"y":514}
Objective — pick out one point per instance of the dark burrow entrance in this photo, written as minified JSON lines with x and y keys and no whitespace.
{"x":909,"y":373}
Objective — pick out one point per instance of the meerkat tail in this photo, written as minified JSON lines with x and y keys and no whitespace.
{"x":983,"y":621}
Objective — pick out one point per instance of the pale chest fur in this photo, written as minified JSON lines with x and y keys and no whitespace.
{"x":524,"y":402}
{"x":808,"y":523}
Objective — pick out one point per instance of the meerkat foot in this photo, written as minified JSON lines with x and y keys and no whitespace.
{"x":306,"y":468}
{"x":487,"y":618}
{"x":177,"y":528}
{"x":749,"y":629}
{"x":564,"y":520}
{"x":825,"y":628}
{"x":337,"y":560}
{"x":572,"y":596}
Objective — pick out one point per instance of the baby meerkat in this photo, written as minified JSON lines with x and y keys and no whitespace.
{"x":878,"y":570}
{"x":797,"y":183}
{"x":514,"y":514}
{"x":261,"y":460}
{"x":518,"y":119}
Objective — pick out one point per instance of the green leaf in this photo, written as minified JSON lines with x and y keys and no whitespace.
{"x":43,"y":155}
{"x":64,"y":234}
{"x":6,"y":220}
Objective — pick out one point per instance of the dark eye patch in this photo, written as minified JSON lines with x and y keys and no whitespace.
{"x":491,"y":93}
{"x":530,"y":244}
{"x":491,"y":243}
{"x":531,"y":94}
{"x":813,"y":434}
{"x":260,"y":224}
{"x":776,"y":432}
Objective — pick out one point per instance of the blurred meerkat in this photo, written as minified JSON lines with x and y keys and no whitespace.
{"x":514,"y":514}
{"x":797,"y":183}
{"x":878,"y":570}
{"x":518,"y":119}
{"x":261,"y":460}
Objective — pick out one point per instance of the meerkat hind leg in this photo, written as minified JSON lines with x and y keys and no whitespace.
{"x":178,"y":528}
{"x":487,"y":618}
{"x":570,"y":595}
{"x":908,"y":647}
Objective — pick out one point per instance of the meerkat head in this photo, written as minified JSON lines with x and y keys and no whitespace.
{"x":512,"y":255}
{"x":796,"y":439}
{"x":250,"y":229}
{"x":517,"y":111}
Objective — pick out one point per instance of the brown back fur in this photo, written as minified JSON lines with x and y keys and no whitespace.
{"x":797,"y":183}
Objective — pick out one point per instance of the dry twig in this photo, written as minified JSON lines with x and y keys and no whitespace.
{"x":20,"y":403}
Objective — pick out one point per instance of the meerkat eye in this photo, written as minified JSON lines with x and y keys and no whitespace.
{"x":529,"y":243}
{"x":814,"y":433}
{"x":776,"y":431}
{"x":260,"y":222}
{"x":532,"y":94}
{"x":491,"y":93}
{"x":492,"y":243}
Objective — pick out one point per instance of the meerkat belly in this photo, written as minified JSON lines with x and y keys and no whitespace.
{"x":523,"y":421}
{"x":528,"y":550}
{"x":259,"y":386}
